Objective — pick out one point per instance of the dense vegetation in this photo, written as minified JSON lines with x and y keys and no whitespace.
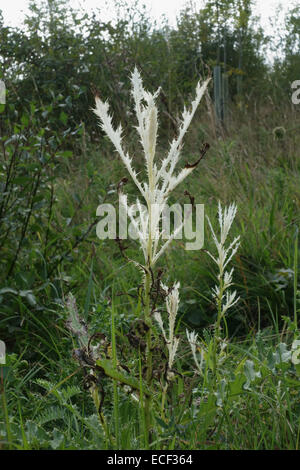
{"x":57,"y":167}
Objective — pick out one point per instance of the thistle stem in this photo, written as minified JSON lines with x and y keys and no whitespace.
{"x":96,"y":399}
{"x":148,"y":321}
{"x":163,"y":400}
{"x":217,"y":329}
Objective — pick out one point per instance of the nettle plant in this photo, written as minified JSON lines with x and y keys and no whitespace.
{"x":157,"y":345}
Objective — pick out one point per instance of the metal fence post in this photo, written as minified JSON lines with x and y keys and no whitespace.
{"x":2,"y":92}
{"x":218,"y":92}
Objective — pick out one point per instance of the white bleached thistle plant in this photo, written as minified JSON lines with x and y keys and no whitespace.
{"x":161,"y":181}
{"x":172,"y":342}
{"x":223,"y":298}
{"x":172,"y":304}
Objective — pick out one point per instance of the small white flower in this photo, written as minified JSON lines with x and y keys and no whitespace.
{"x":225,"y":255}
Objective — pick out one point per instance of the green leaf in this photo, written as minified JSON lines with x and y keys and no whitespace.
{"x":57,"y":440}
{"x":162,"y":423}
{"x":221,"y":393}
{"x":29,"y":297}
{"x":297,"y":367}
{"x":66,"y":154}
{"x":63,"y":117}
{"x":8,"y":290}
{"x":208,"y":410}
{"x":109,"y":370}
{"x":236,"y":387}
{"x":250,"y":373}
{"x":25,"y":120}
{"x":282,"y":354}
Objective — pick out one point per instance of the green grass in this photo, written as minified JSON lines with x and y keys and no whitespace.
{"x":254,"y":403}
